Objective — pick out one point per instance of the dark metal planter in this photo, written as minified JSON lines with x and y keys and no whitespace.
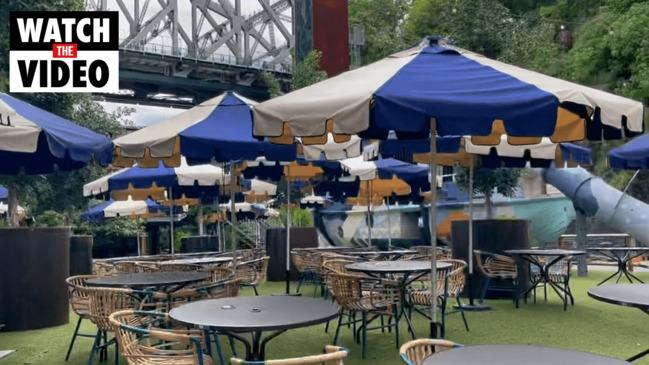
{"x":34,"y":263}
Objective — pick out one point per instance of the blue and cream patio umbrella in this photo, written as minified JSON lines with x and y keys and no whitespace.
{"x":34,"y":141}
{"x":633,"y":155}
{"x":219,"y":129}
{"x":437,"y":89}
{"x":123,"y":208}
{"x":180,"y":185}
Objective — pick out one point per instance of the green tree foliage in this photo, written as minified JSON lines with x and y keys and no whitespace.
{"x":487,"y":27}
{"x":381,"y":21}
{"x":486,"y":181}
{"x":308,"y":71}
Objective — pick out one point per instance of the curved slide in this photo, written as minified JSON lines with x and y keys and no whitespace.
{"x":595,"y":198}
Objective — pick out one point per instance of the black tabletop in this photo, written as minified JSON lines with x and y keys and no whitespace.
{"x":631,"y":295}
{"x":618,"y":249}
{"x":251,"y":314}
{"x":517,"y":355}
{"x":545,"y":252}
{"x":396,"y":266}
{"x":148,"y":279}
{"x":200,"y":260}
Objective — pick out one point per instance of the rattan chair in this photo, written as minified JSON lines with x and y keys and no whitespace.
{"x":219,"y":273}
{"x":102,"y":303}
{"x":308,"y":265}
{"x":252,"y":273}
{"x":494,"y":266}
{"x":416,"y":351}
{"x":333,"y":355}
{"x":559,"y":274}
{"x":102,"y":268}
{"x":222,"y":289}
{"x":80,"y":304}
{"x":126,"y":267}
{"x":145,"y":340}
{"x":148,"y":266}
{"x":367,"y":296}
{"x":450,"y":284}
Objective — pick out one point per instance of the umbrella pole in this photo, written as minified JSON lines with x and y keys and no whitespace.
{"x":288,"y":235}
{"x":369,"y":213}
{"x":233,"y":213}
{"x":436,"y":330}
{"x":171,"y":222}
{"x":389,"y":226}
{"x":471,"y":306}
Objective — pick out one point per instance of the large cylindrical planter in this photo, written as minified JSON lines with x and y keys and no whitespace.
{"x":491,"y":235}
{"x":276,"y":249}
{"x":34,"y":263}
{"x":80,"y":255}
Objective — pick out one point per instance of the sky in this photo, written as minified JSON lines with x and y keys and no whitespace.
{"x":147,"y":115}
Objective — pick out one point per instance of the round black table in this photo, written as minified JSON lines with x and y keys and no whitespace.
{"x":622,"y":256}
{"x":627,"y":295}
{"x":543,"y":260}
{"x":408,"y":271}
{"x":255,"y":315}
{"x":517,"y":355}
{"x":166,"y":281}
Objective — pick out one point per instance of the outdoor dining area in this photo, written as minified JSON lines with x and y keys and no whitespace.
{"x":376,"y":135}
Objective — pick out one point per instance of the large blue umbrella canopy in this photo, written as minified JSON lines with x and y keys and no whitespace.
{"x":4,"y":193}
{"x":36,"y":141}
{"x":463,"y":92}
{"x":633,"y":155}
{"x":219,"y":129}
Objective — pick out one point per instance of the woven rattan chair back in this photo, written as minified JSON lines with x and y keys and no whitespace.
{"x":253,"y":272}
{"x":219,"y":273}
{"x":336,"y":265}
{"x":144,"y":340}
{"x":494,"y":265}
{"x":222,"y":289}
{"x":79,"y":300}
{"x":333,"y":355}
{"x":456,"y":277}
{"x":102,"y":268}
{"x":105,"y":301}
{"x":125,"y":267}
{"x":416,"y":351}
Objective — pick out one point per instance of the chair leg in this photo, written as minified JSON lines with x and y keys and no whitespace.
{"x":382,"y":325}
{"x":364,"y":339}
{"x":396,"y":326}
{"x":459,"y":306}
{"x":340,"y":319}
{"x":95,"y":344}
{"x":485,"y":286}
{"x":254,"y":287}
{"x":233,"y":348}
{"x":116,"y":353}
{"x":219,"y":349}
{"x":299,"y":284}
{"x":74,"y":337}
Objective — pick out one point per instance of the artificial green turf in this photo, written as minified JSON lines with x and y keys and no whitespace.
{"x":588,"y":326}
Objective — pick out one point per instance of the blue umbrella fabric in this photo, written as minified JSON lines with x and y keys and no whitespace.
{"x":4,"y":193}
{"x":465,"y":93}
{"x":633,"y":155}
{"x":36,"y":141}
{"x":127,"y":208}
{"x":219,"y":129}
{"x":197,"y":182}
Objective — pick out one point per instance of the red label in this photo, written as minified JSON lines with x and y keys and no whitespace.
{"x":64,"y":50}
